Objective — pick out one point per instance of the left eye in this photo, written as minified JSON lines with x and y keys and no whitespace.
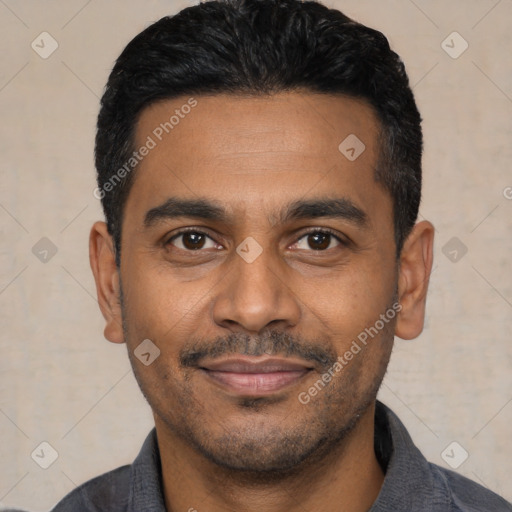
{"x":318,"y":241}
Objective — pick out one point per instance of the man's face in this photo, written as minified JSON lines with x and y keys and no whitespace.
{"x":254,"y":303}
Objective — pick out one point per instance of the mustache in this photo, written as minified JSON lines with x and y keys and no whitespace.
{"x":272,"y":343}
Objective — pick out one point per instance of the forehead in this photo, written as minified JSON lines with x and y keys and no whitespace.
{"x":247,"y":152}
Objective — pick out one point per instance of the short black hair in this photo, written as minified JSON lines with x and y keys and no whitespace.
{"x":260,"y":47}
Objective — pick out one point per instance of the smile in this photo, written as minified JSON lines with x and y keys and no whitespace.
{"x":259,"y":376}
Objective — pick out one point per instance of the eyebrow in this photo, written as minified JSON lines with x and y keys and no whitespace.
{"x":339,"y":208}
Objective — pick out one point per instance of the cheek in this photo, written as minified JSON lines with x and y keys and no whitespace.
{"x":158,"y":306}
{"x":352,"y":299}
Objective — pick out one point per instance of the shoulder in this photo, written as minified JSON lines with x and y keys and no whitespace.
{"x":109,"y":491}
{"x":467,"y":495}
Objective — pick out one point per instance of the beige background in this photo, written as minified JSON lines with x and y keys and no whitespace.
{"x":62,"y":383}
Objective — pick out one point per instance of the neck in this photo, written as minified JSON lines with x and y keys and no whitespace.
{"x":348,"y":478}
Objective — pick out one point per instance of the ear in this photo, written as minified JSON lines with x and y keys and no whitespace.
{"x":106,"y":275}
{"x":414,"y":273}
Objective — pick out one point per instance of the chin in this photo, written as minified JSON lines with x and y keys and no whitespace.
{"x":263,"y":458}
{"x":261,"y":452}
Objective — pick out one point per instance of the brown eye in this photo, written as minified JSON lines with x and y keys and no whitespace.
{"x":192,"y":241}
{"x":318,"y":241}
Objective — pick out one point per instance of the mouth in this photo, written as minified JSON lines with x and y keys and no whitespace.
{"x":255,"y":376}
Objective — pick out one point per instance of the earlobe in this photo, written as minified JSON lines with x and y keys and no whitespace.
{"x":106,"y":276}
{"x":415,"y":267}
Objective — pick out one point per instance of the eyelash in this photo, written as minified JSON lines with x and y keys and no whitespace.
{"x":325,"y":231}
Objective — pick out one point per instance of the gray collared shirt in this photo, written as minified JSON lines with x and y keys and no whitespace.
{"x":411,"y":483}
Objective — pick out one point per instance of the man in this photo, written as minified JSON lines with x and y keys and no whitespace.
{"x":259,"y":165}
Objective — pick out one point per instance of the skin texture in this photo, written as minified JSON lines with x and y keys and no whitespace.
{"x":304,"y":297}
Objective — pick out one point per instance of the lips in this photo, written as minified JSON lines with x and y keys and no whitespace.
{"x":255,"y":376}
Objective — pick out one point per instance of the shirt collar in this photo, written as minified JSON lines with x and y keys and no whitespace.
{"x":146,"y":489}
{"x":409,"y":481}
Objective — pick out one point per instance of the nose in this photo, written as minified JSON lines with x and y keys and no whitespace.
{"x":256,"y":295}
